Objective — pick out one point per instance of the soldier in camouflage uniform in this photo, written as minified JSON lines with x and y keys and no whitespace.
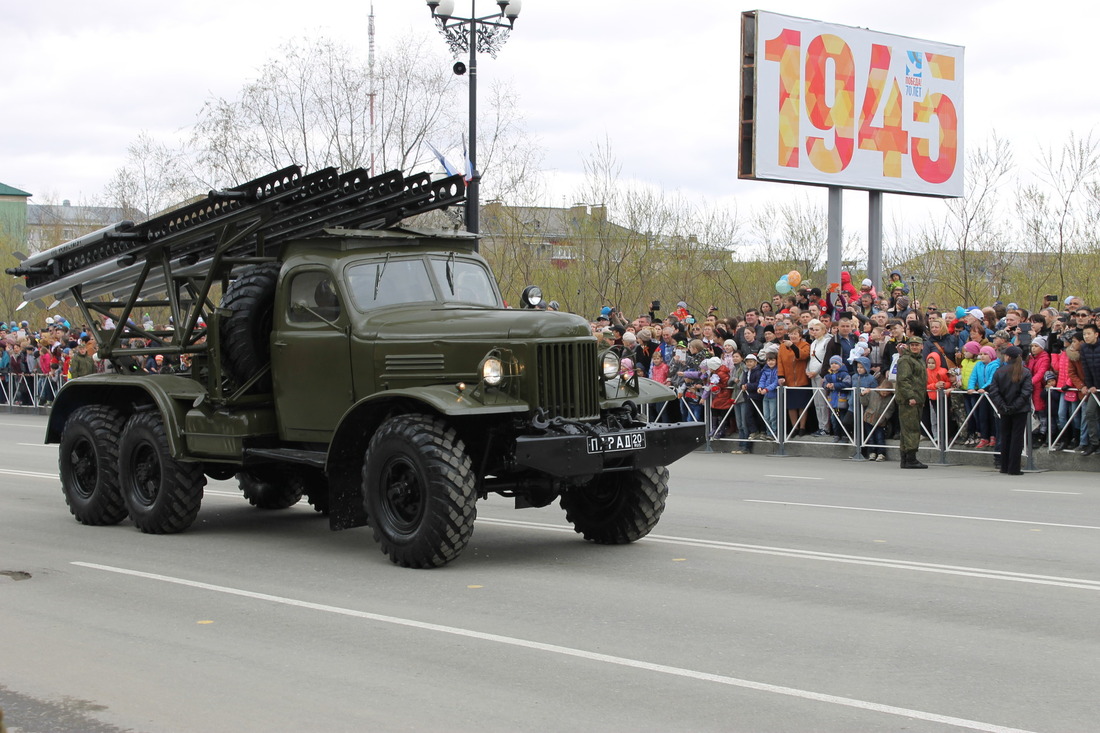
{"x":910,"y":395}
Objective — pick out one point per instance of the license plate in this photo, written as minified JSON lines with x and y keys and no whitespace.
{"x":611,"y":442}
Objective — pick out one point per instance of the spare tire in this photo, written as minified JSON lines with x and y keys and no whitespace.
{"x":246,"y":331}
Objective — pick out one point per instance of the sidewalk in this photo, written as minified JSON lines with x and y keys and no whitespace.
{"x":826,"y":448}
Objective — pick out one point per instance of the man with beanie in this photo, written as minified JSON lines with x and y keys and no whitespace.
{"x":910,"y":393}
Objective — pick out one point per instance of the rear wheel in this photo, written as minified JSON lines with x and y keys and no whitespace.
{"x":270,"y":489}
{"x":88,"y":465}
{"x":161,"y":493}
{"x":419,"y":491}
{"x":617,"y":508}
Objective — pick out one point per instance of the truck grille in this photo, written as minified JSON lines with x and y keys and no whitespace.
{"x":568,"y":380}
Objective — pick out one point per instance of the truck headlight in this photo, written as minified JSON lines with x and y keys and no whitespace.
{"x":610,"y":365}
{"x":492,"y":371}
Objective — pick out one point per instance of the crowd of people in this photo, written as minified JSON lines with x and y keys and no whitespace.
{"x":991,"y":365}
{"x":845,"y":348}
{"x":35,"y":362}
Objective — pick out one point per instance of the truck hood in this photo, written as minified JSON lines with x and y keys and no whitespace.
{"x":416,"y":324}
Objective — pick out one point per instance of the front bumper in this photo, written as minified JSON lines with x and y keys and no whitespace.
{"x":567,"y":456}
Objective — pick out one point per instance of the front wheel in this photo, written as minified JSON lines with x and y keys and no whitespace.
{"x":161,"y":493}
{"x":617,"y":508}
{"x":419,"y":491}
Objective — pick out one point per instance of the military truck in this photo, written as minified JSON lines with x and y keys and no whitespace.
{"x":370,"y":367}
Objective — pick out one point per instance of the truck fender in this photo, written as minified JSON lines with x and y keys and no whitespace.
{"x":357,"y":426}
{"x":171,"y":395}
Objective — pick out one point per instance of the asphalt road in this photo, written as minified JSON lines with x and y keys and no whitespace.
{"x":777,"y":594}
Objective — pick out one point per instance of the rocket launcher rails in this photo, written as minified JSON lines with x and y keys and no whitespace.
{"x":249,"y":220}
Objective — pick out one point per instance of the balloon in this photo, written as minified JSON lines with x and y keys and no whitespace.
{"x":782,"y":287}
{"x":794,"y":278}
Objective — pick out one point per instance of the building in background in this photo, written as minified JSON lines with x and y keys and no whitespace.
{"x":13,"y":213}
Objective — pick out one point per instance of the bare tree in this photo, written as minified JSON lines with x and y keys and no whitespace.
{"x":1054,"y":213}
{"x":155,"y":177}
{"x":964,"y":255}
{"x":794,"y":234}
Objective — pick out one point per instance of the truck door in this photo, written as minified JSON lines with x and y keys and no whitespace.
{"x":310,"y":356}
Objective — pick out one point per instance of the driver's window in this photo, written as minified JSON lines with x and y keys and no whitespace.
{"x":316,"y":291}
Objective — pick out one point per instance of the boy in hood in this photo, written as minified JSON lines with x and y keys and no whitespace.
{"x":837,"y":384}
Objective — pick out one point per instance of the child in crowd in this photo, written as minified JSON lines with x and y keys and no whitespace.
{"x":937,"y":379}
{"x":837,"y":383}
{"x":721,"y":396}
{"x":877,"y":409}
{"x":1039,"y":364}
{"x":1067,"y":364}
{"x":729,"y":346}
{"x":658,"y":370}
{"x":746,"y":412}
{"x":979,"y":382}
{"x":768,"y":390}
{"x":966,"y":367}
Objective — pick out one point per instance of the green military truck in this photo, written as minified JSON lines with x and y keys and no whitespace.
{"x":371,"y":368}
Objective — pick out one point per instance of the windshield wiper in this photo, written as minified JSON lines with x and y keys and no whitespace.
{"x":378,"y":276}
{"x":451,"y":272}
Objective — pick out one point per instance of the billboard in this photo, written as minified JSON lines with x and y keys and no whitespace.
{"x":833,"y":105}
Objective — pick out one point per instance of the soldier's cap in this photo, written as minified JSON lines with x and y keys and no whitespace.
{"x":915,"y":340}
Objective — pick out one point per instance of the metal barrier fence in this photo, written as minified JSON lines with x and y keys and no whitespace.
{"x":29,"y":390}
{"x":936,"y":433}
{"x":39,"y":390}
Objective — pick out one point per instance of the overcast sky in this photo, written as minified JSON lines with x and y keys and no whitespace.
{"x":658,"y":79}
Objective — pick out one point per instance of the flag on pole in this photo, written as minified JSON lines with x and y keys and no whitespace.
{"x":447,"y":167}
{"x":469,"y":176}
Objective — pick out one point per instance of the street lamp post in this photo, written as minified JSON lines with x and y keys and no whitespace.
{"x":473,"y":34}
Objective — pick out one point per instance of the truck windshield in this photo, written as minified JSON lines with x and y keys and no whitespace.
{"x":378,"y":284}
{"x":462,"y":281}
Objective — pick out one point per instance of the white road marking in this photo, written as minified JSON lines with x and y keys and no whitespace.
{"x":570,"y":652}
{"x":803,"y":478}
{"x":28,"y":474}
{"x":923,"y":514}
{"x":1080,"y":583}
{"x":40,"y":445}
{"x":1037,"y":491}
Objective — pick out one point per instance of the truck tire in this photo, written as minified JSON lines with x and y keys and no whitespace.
{"x":161,"y":493}
{"x":270,"y":489}
{"x":617,"y":508}
{"x":87,"y":461}
{"x":246,"y":331}
{"x":419,"y":491}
